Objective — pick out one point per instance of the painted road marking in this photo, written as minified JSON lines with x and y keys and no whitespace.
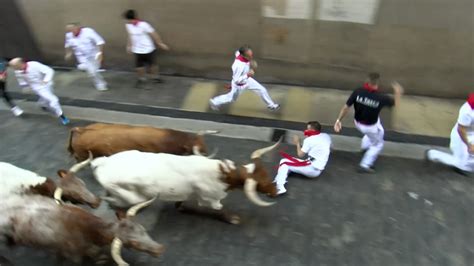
{"x":197,"y":99}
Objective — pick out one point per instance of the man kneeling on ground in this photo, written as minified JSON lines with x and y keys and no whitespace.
{"x":316,"y":148}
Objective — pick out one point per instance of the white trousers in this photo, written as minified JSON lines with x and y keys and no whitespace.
{"x":47,"y":98}
{"x":287,"y":166}
{"x":92,"y":66}
{"x":460,"y":157}
{"x":372,"y":142}
{"x":236,"y":90}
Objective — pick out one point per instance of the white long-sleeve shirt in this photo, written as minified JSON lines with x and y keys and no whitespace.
{"x":35,"y":75}
{"x":240,"y":70}
{"x":84,"y":44}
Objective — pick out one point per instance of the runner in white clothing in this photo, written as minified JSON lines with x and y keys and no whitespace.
{"x":88,"y":47}
{"x":243,"y":71}
{"x":462,"y":142}
{"x":142,"y":41}
{"x":39,"y":78}
{"x":316,"y":148}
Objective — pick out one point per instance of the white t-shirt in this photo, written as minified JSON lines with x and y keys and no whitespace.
{"x":85,"y":44}
{"x":318,"y":147}
{"x":466,"y":118}
{"x":35,"y":75}
{"x":140,"y":38}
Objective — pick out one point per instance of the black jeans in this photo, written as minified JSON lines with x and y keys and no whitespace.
{"x":3,"y":92}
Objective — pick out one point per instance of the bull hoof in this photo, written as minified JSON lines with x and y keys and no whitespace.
{"x":232,"y":219}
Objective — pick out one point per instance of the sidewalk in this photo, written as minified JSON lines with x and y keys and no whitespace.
{"x":416,"y":116}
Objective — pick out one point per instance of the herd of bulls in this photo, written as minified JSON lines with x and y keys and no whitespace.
{"x":135,"y":166}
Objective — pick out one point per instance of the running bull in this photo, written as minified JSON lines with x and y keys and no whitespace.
{"x":108,"y":139}
{"x":15,"y":180}
{"x":71,"y":232}
{"x":130,"y":177}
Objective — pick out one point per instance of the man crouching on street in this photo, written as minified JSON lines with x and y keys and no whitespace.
{"x":316,"y":148}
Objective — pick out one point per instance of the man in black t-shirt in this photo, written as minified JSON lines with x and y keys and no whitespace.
{"x":3,"y":89}
{"x":367,"y":106}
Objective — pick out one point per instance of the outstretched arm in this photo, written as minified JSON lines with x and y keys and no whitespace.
{"x":397,"y":93}
{"x":342,"y":114}
{"x":157,"y":38}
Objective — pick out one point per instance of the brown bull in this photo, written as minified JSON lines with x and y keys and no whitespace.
{"x":107,"y":139}
{"x":72,"y":232}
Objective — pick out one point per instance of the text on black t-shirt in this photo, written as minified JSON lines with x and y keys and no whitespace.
{"x":368,"y":104}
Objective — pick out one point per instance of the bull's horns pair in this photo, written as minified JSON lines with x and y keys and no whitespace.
{"x":78,"y":166}
{"x":116,"y":246}
{"x":250,"y":186}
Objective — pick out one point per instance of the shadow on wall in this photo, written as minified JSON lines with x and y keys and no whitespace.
{"x":428,"y":47}
{"x":16,"y":39}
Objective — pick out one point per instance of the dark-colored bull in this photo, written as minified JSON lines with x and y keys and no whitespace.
{"x":72,"y":232}
{"x":107,"y":139}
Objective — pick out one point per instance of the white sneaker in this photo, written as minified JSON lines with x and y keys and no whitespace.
{"x":281,"y":190}
{"x":102,"y":89}
{"x":17,"y":111}
{"x":274,"y":108}
{"x":213,"y":106}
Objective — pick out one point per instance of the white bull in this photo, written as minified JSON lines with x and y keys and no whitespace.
{"x":131,"y":177}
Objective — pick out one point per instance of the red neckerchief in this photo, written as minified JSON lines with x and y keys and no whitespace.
{"x":25,"y":67}
{"x":76,"y":34}
{"x":242,"y":59}
{"x":311,"y":132}
{"x":135,"y":22}
{"x":470,"y":100}
{"x":369,"y":87}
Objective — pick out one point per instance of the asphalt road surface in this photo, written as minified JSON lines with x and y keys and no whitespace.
{"x":409,"y":213}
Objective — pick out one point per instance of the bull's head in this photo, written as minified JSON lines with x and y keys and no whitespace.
{"x":258,"y":178}
{"x":254,"y":176}
{"x":199,"y":147}
{"x":133,"y":235}
{"x":73,"y":189}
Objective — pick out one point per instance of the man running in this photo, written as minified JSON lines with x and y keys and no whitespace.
{"x":242,"y":79}
{"x":39,"y":78}
{"x":462,"y":142}
{"x":141,"y":42}
{"x":316,"y":148}
{"x":88,"y":47}
{"x":368,"y":103}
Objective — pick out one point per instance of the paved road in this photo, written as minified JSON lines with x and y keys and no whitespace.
{"x":343,"y":218}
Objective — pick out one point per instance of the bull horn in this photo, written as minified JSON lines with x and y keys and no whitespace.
{"x":78,"y":166}
{"x":258,"y":153}
{"x":57,"y":196}
{"x":250,"y":189}
{"x":213,"y":154}
{"x":116,"y":250}
{"x":134,"y":209}
{"x":207,"y":132}
{"x":197,"y":152}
